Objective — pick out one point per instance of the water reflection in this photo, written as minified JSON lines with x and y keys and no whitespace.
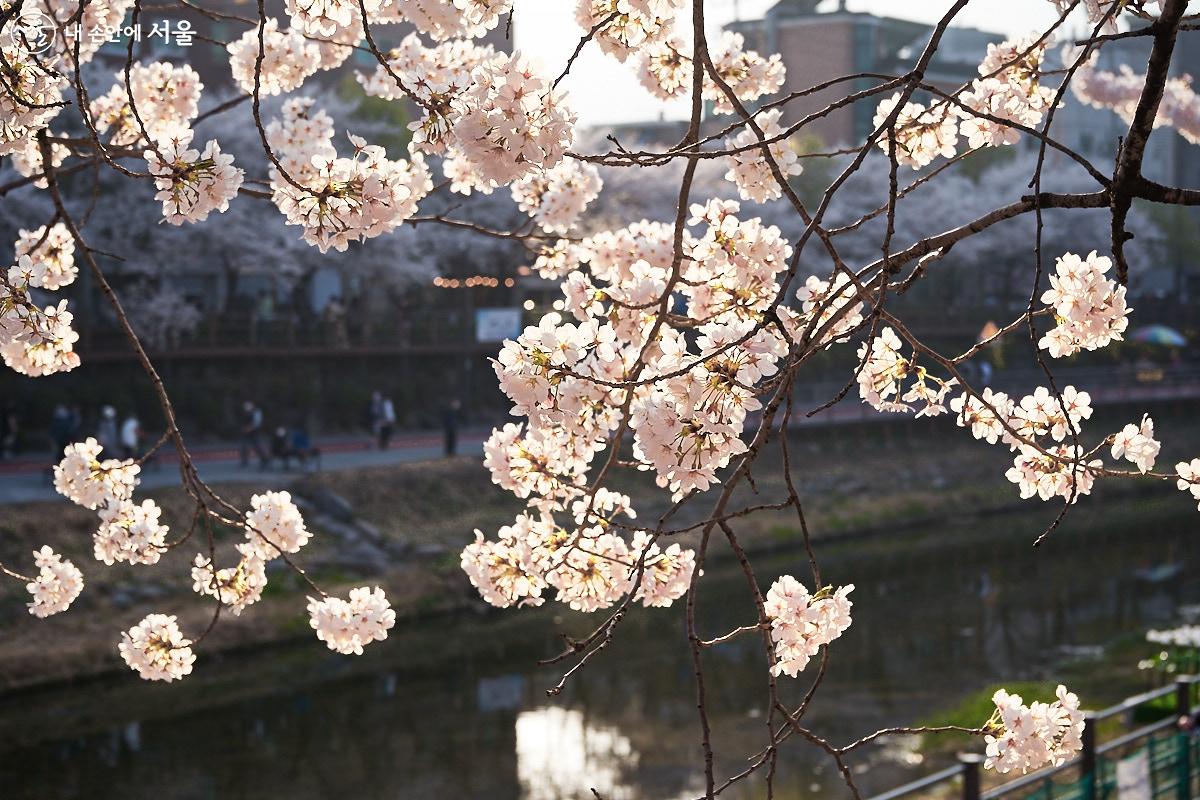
{"x":560,"y":754}
{"x":457,"y":708}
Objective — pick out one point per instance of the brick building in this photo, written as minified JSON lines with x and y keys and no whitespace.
{"x":821,"y":46}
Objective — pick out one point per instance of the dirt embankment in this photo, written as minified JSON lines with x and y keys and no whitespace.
{"x":402,"y":528}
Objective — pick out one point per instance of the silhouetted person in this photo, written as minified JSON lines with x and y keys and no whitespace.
{"x":302,"y":446}
{"x":60,"y":429}
{"x":76,"y":424}
{"x":131,"y":437}
{"x":10,"y":433}
{"x":450,"y":426}
{"x":335,"y":322}
{"x":281,"y":447}
{"x":106,"y":432}
{"x":374,"y":412}
{"x":387,"y":422}
{"x":252,"y":423}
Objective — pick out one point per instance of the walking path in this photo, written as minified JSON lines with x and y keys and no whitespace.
{"x":27,"y":479}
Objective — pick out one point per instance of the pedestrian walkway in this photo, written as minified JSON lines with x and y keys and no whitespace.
{"x":28,"y":479}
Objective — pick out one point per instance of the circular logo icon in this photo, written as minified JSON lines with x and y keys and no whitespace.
{"x":32,"y":31}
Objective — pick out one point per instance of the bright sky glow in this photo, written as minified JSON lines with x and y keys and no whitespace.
{"x":604,"y":90}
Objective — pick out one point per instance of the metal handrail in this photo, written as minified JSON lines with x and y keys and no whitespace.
{"x":969,"y":763}
{"x":920,"y":783}
{"x":1130,"y":703}
{"x":1028,"y":780}
{"x":1133,"y":736}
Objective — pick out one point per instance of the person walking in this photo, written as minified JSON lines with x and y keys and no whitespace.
{"x":10,"y":433}
{"x":60,"y":429}
{"x":387,"y":422}
{"x":106,"y":431}
{"x":131,"y":437}
{"x":450,"y":426}
{"x":374,"y":412}
{"x":252,"y":424}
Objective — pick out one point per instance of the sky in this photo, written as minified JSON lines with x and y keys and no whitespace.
{"x":602,"y":90}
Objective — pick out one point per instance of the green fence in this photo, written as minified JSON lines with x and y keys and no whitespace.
{"x":1153,"y":762}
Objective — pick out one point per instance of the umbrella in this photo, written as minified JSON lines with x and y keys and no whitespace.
{"x":1158,"y":334}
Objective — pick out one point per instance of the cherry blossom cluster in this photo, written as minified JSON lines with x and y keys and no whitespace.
{"x":1054,"y":471}
{"x":747,"y":74}
{"x":192,"y":184}
{"x":235,"y":587}
{"x":321,"y":18}
{"x":166,"y":98}
{"x":920,"y":134}
{"x":129,"y":531}
{"x":1028,"y":737}
{"x":732,"y":266}
{"x":890,"y":381}
{"x":101,"y":15}
{"x":434,"y":75}
{"x":52,"y":256}
{"x":1189,"y":478}
{"x":557,"y":197}
{"x":288,"y":59}
{"x":589,"y":567}
{"x":1009,"y":89}
{"x":1036,"y":429}
{"x":496,"y":119}
{"x":687,"y":426}
{"x":56,"y":586}
{"x":274,"y":525}
{"x":444,"y":19}
{"x":27,"y":160}
{"x":32,"y":97}
{"x":510,"y":121}
{"x":830,"y":310}
{"x":35,"y":340}
{"x":750,"y":170}
{"x":627,"y":26}
{"x":337,"y":200}
{"x":1120,"y":91}
{"x":1089,"y":308}
{"x":1136,"y":443}
{"x":346,"y":626}
{"x":157,"y":650}
{"x":666,"y":71}
{"x":802,"y":623}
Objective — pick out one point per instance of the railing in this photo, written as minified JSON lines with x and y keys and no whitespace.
{"x":414,"y":330}
{"x":1173,"y":760}
{"x":1106,"y":385}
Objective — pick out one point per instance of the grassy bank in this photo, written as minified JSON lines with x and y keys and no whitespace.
{"x":414,"y":519}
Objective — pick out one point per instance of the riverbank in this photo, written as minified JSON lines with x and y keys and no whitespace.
{"x":401,"y":527}
{"x":451,"y":705}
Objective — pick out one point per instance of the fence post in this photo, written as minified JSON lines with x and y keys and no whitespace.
{"x":970,"y":775}
{"x":1088,"y":774}
{"x":1183,"y":708}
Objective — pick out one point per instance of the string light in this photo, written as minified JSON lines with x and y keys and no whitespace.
{"x":475,"y":281}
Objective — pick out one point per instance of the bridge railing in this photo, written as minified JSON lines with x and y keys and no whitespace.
{"x":1172,"y":761}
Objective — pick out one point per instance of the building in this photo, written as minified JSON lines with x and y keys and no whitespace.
{"x":1096,"y":134}
{"x":817,"y":47}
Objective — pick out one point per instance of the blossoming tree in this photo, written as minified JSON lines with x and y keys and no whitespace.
{"x":682,"y":335}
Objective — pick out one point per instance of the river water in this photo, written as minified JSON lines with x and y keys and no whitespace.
{"x":456,"y":707}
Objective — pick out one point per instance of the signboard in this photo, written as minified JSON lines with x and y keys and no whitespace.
{"x":497,"y":324}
